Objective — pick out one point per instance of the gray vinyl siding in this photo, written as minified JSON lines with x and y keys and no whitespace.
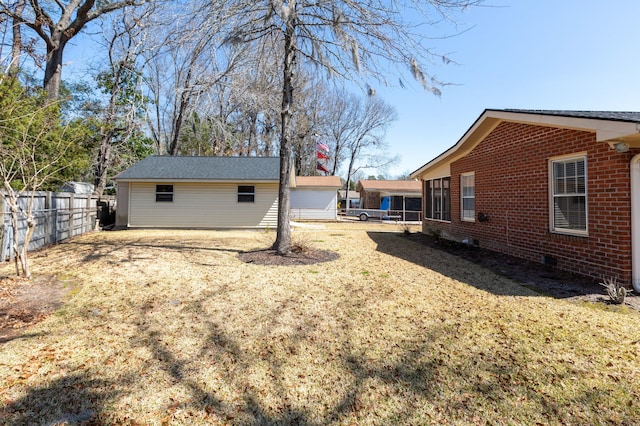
{"x":314,"y":204}
{"x":203,"y":205}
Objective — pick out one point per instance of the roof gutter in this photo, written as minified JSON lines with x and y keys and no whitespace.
{"x":174,"y":180}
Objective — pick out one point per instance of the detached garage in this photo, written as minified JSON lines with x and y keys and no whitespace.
{"x":199,"y":192}
{"x":315,"y":198}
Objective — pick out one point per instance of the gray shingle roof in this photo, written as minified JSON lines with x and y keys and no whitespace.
{"x":600,"y":115}
{"x":204,"y":168}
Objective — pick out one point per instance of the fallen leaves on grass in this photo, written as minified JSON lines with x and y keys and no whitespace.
{"x":271,"y":257}
{"x":171,"y":326}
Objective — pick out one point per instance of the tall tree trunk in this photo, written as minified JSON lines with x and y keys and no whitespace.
{"x":174,"y":144}
{"x":53,"y":70}
{"x":282,"y":244}
{"x":252,"y":144}
{"x":103,"y":162}
{"x":16,"y":45}
{"x":336,"y":156}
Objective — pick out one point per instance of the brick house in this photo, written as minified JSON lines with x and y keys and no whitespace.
{"x":557,"y":187}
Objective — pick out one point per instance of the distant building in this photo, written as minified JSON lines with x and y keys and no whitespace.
{"x":394,"y":195}
{"x":354,"y":199}
{"x":315,"y":197}
{"x":77,"y":187}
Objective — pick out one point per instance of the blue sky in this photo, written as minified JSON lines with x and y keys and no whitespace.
{"x":542,"y":54}
{"x":529,"y":54}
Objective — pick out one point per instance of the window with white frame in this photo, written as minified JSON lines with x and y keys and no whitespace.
{"x":568,"y":213}
{"x":437,"y":200}
{"x":164,"y":193}
{"x":246,"y":194}
{"x":468,"y":193}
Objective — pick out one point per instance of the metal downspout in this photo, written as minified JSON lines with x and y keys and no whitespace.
{"x":635,"y":222}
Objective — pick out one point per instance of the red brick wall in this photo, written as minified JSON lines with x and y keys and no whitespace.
{"x":512,"y":188}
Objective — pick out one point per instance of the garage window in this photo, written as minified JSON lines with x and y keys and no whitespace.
{"x":164,"y":193}
{"x":246,"y":194}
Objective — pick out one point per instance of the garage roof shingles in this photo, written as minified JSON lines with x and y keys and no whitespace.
{"x":204,"y":168}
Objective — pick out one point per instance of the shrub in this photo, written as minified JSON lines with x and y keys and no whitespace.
{"x":406,"y":229}
{"x":301,"y":245}
{"x":616,"y":291}
{"x":435,"y":233}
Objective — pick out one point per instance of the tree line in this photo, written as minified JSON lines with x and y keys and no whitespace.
{"x":173,"y":83}
{"x":218,"y":77}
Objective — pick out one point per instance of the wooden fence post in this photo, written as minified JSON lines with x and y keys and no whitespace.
{"x":71,"y":213}
{"x":47,"y":218}
{"x":87,"y":214}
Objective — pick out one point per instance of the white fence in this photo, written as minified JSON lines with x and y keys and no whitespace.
{"x":58,"y":216}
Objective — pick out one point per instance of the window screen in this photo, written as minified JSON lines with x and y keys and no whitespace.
{"x":437,"y":204}
{"x":569,"y":198}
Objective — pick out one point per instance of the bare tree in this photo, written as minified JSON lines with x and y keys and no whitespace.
{"x":255,"y":92}
{"x":188,"y":63}
{"x":16,"y":42}
{"x":347,"y":38}
{"x":308,"y":120}
{"x":57,"y":22}
{"x":362,"y":127}
{"x":235,"y":116}
{"x":341,"y":124}
{"x":121,"y":83}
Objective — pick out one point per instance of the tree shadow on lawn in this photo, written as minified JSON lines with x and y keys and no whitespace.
{"x":74,"y":399}
{"x":476,"y":266}
{"x":411,"y":373}
{"x":100,"y":250}
{"x":223,"y":352}
{"x":377,"y":390}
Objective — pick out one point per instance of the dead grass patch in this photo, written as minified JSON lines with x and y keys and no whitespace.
{"x":26,"y":302}
{"x":172,"y":327}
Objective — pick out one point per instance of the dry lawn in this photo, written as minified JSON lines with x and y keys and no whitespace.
{"x":170,"y":327}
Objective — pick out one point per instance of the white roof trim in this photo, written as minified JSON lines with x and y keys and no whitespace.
{"x":605,"y":130}
{"x":174,"y":180}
